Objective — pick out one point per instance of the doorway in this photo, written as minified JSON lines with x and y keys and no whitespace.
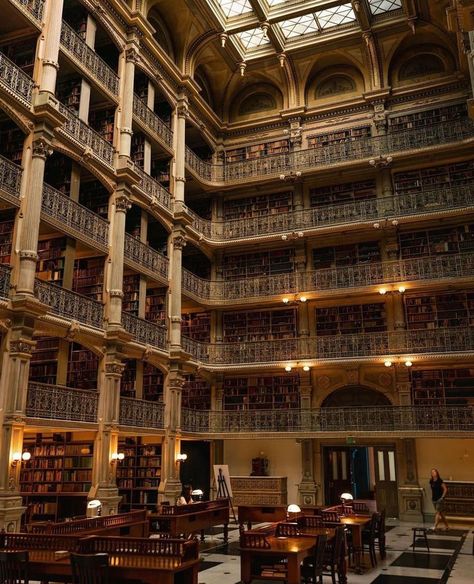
{"x":196,"y":470}
{"x":367,"y":472}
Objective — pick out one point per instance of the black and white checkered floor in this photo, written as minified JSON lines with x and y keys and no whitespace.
{"x":450,"y":560}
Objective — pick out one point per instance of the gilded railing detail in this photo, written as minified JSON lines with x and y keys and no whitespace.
{"x":10,"y":177}
{"x":15,"y":81}
{"x":58,"y":402}
{"x":145,"y":256}
{"x":144,"y":331}
{"x":152,"y":121}
{"x":154,"y":191}
{"x":33,"y":7}
{"x":140,"y":413}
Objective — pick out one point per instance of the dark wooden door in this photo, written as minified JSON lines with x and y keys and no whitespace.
{"x":337,"y":473}
{"x":386,"y":484}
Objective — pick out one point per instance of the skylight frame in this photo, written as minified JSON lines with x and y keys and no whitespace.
{"x":379,"y":7}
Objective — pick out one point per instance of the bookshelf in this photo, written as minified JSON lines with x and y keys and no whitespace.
{"x":44,"y":360}
{"x":202,"y":207}
{"x":339,"y":137}
{"x":160,"y":170}
{"x":257,"y":150}
{"x":94,"y":196}
{"x":346,"y":255}
{"x":133,"y":221}
{"x":131,"y":293}
{"x":196,"y":262}
{"x":56,"y":480}
{"x":197,"y":326}
{"x":68,"y":91}
{"x":343,"y":193}
{"x":155,"y":305}
{"x":432,"y":242}
{"x":196,"y":393}
{"x":435,"y":177}
{"x":259,"y":206}
{"x":153,"y":383}
{"x":262,"y":392}
{"x":89,"y":277}
{"x":22,"y":53}
{"x":443,"y":386}
{"x":51,"y":258}
{"x":7,"y":224}
{"x":439,"y":310}
{"x":102,"y":121}
{"x":352,"y":319}
{"x":138,"y":475}
{"x":128,"y":382}
{"x":57,"y":173}
{"x":137,"y":152}
{"x":262,"y":263}
{"x":11,"y":139}
{"x":259,"y":325}
{"x":83,"y":368}
{"x":426,"y":118}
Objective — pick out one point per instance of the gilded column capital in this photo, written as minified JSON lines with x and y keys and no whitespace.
{"x":41,"y":148}
{"x":132,"y":55}
{"x":122,"y":204}
{"x":22,"y":346}
{"x":179,"y":241}
{"x":115,"y":368}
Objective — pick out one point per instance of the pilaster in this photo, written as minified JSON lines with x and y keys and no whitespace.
{"x":52,"y":35}
{"x":178,"y":242}
{"x":307,"y":488}
{"x":410,"y":493}
{"x":180,"y":116}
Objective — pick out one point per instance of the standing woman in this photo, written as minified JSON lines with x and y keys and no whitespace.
{"x":438,"y":492}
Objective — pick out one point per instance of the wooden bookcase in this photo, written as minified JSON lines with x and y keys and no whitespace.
{"x":89,"y":277}
{"x":44,"y":360}
{"x":439,"y":310}
{"x":138,"y":474}
{"x":339,"y":136}
{"x":83,"y":368}
{"x":427,"y":118}
{"x":271,"y":204}
{"x":22,"y":53}
{"x":346,"y":255}
{"x":102,"y":121}
{"x":343,"y":193}
{"x":137,"y":152}
{"x":257,"y":150}
{"x":51,"y":258}
{"x":131,"y":293}
{"x":153,"y":383}
{"x":160,"y":170}
{"x":155,"y":305}
{"x":435,"y":177}
{"x":259,"y":325}
{"x":262,"y":263}
{"x":352,"y":319}
{"x":197,"y":326}
{"x":442,"y":386}
{"x":261,"y":392}
{"x":432,"y":242}
{"x":128,"y":382}
{"x":94,"y":196}
{"x":68,"y":91}
{"x":7,"y":224}
{"x":57,"y":173}
{"x":55,"y":482}
{"x":196,"y":393}
{"x":11,"y":139}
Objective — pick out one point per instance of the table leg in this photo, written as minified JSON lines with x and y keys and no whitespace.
{"x":294,"y":572}
{"x":357,"y":546}
{"x":202,"y":534}
{"x":245,"y":564}
{"x":226,"y":532}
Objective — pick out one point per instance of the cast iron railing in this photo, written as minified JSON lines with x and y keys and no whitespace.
{"x":58,"y":402}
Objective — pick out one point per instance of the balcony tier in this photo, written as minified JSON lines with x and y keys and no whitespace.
{"x":33,"y":9}
{"x":57,"y":402}
{"x":14,"y":82}
{"x":151,"y":123}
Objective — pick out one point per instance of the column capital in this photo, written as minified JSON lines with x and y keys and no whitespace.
{"x":122,"y":204}
{"x":41,"y":148}
{"x":132,"y":55}
{"x":114,"y":368}
{"x":178,"y":240}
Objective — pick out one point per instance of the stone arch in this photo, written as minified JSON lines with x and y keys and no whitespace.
{"x":355,"y":396}
{"x":420,"y":63}
{"x":258,"y":99}
{"x":203,"y":82}
{"x":162,"y":34}
{"x":334,"y":83}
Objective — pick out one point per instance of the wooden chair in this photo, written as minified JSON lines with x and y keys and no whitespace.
{"x":330,"y":517}
{"x":380,"y":534}
{"x":312,"y":568}
{"x":254,"y":541}
{"x":334,"y":554}
{"x":90,"y":568}
{"x":14,"y":567}
{"x":368,"y":538}
{"x":360,"y":508}
{"x":312,"y":521}
{"x":287,"y":530}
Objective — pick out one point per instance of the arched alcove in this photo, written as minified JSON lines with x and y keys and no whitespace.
{"x":420,"y":63}
{"x":355,"y":396}
{"x":256,"y":100}
{"x":334,"y":83}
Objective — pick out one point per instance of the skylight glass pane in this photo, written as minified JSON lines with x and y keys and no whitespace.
{"x":336,"y":16}
{"x":298,"y":26}
{"x":275,"y":2}
{"x":379,"y":6}
{"x":253,"y":38}
{"x":235,"y":7}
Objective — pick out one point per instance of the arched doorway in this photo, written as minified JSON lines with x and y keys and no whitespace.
{"x":361,"y":467}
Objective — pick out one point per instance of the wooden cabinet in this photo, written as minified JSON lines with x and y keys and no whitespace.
{"x":259,"y":490}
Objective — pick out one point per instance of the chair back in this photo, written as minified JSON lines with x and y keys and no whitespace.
{"x":381,"y":524}
{"x":319,"y":552}
{"x":360,"y":508}
{"x":338,"y":545}
{"x":373,"y":525}
{"x":254,"y":540}
{"x":287,"y":530}
{"x":330,"y":517}
{"x":14,"y":567}
{"x":90,"y":568}
{"x":313,"y":521}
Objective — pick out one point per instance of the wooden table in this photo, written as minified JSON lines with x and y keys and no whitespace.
{"x":148,"y":569}
{"x":293,"y":549}
{"x":356,"y":523}
{"x":266,"y":513}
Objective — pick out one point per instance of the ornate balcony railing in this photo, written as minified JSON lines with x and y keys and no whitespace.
{"x":82,"y":223}
{"x":332,"y":347}
{"x":88,"y":59}
{"x":383,"y":420}
{"x":154,"y":190}
{"x":5,"y":272}
{"x":366,"y":148}
{"x":10,"y":177}
{"x":145,"y":256}
{"x":140,"y":413}
{"x":70,"y":305}
{"x":15,"y":81}
{"x":86,"y":137}
{"x":144,"y":331}
{"x":33,"y":7}
{"x":373,"y":210}
{"x":58,"y":402}
{"x":152,"y":121}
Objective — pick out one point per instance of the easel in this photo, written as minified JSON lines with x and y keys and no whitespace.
{"x":223,"y":491}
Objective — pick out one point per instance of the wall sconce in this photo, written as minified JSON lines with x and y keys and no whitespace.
{"x":295,"y":300}
{"x":303,"y":366}
{"x":306,"y":367}
{"x":117,"y":457}
{"x":407,"y":362}
{"x":388,"y":363}
{"x":26,"y":456}
{"x":16,"y":458}
{"x":181,"y":458}
{"x":288,"y":368}
{"x":400,"y":289}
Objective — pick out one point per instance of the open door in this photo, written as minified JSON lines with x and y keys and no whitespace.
{"x":386,"y":489}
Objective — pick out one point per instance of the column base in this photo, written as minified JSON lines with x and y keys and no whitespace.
{"x":411,"y":503}
{"x":109,"y":499}
{"x":308,"y":492}
{"x":169,"y":490}
{"x":11,"y":510}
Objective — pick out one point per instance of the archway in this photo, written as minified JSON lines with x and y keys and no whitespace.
{"x":355,"y":396}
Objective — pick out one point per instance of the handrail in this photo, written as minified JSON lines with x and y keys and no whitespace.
{"x":15,"y":80}
{"x":5,"y":274}
{"x":10,"y":177}
{"x":141,"y":413}
{"x":144,"y":331}
{"x":145,"y":256}
{"x":58,"y":402}
{"x":33,"y":7}
{"x":154,"y":190}
{"x":152,"y":121}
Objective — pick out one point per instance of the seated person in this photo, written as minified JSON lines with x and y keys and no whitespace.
{"x":185,"y":497}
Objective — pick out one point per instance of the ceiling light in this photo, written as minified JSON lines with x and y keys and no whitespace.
{"x":306,"y":367}
{"x":401,"y":289}
{"x":383,"y":291}
{"x":387,"y":363}
{"x":288,"y":368}
{"x":408,"y":363}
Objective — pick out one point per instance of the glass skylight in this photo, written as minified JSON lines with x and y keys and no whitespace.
{"x":275,"y":2}
{"x":324,"y":19}
{"x":379,"y":6}
{"x":342,"y":14}
{"x":299,"y":26}
{"x":253,"y":38}
{"x":235,"y":7}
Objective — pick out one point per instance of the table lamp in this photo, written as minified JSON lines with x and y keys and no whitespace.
{"x":292,"y":511}
{"x":345,"y":498}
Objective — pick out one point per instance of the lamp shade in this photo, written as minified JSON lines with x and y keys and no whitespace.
{"x":293,"y":508}
{"x":94,"y":504}
{"x":197,"y":492}
{"x":347,"y":497}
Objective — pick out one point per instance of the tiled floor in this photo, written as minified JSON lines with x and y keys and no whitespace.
{"x":450,"y":560}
